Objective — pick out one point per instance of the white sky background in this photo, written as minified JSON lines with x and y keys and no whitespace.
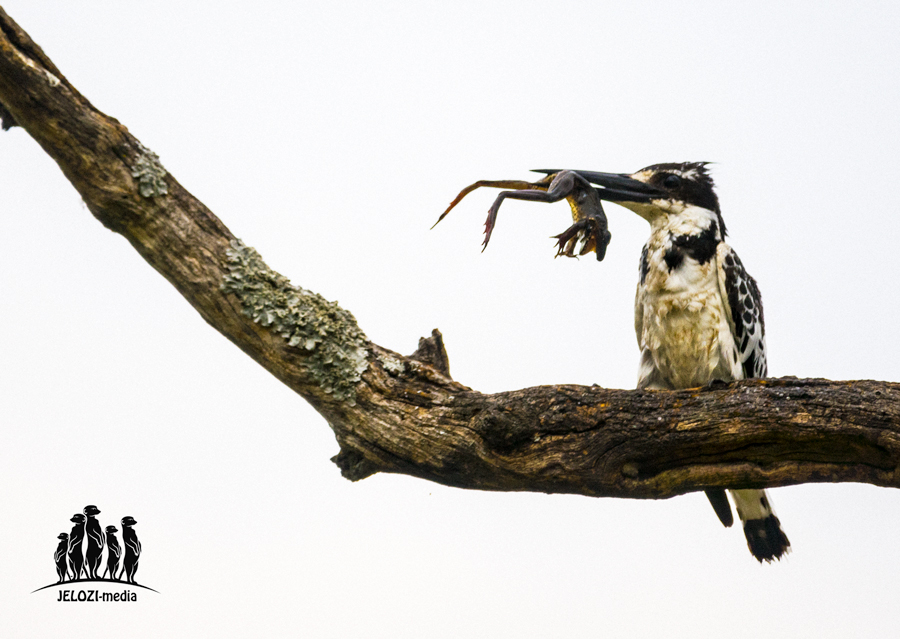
{"x":330,"y":138}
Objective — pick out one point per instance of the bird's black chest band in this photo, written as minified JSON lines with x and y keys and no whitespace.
{"x":700,"y":246}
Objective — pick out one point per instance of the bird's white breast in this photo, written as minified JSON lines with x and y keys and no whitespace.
{"x":681,"y":321}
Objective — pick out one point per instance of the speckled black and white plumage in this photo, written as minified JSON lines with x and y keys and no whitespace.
{"x":745,"y":302}
{"x":699,"y":316}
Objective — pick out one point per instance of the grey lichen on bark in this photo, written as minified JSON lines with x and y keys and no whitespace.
{"x":150,"y":174}
{"x":338,"y":355}
{"x":392,"y":365}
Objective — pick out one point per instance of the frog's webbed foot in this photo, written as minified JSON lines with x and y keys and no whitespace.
{"x":590,"y":232}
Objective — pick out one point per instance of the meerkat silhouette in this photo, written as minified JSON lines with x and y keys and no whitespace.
{"x":132,"y":550}
{"x":113,"y":552}
{"x":76,"y":538}
{"x":60,"y":556}
{"x":94,"y":535}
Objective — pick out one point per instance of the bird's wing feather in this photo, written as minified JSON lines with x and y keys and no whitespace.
{"x":638,"y":305}
{"x":743,"y":305}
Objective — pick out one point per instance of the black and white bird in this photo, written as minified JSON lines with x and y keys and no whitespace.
{"x":698,"y":314}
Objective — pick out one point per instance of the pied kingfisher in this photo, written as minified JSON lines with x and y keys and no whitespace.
{"x":698,"y":314}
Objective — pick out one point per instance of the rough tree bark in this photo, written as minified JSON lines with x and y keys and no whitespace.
{"x":399,"y":414}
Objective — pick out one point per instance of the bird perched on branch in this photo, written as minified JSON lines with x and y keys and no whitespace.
{"x":698,"y":314}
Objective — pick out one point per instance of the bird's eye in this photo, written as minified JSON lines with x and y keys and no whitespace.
{"x":672,"y":182}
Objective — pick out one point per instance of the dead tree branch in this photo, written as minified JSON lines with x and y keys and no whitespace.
{"x":404,"y":414}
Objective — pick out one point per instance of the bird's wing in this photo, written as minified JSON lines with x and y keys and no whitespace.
{"x":638,"y":305}
{"x":743,"y":305}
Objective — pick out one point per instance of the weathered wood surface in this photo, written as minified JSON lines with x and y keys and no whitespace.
{"x":404,"y":414}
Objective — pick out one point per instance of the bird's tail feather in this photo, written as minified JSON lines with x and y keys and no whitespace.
{"x":719,"y":501}
{"x":765,"y":538}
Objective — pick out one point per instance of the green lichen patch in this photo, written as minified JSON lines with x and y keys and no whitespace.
{"x":391,"y":364}
{"x":149,"y":172}
{"x":337,"y":346}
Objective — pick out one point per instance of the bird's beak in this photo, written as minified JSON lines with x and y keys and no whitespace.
{"x":619,"y":187}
